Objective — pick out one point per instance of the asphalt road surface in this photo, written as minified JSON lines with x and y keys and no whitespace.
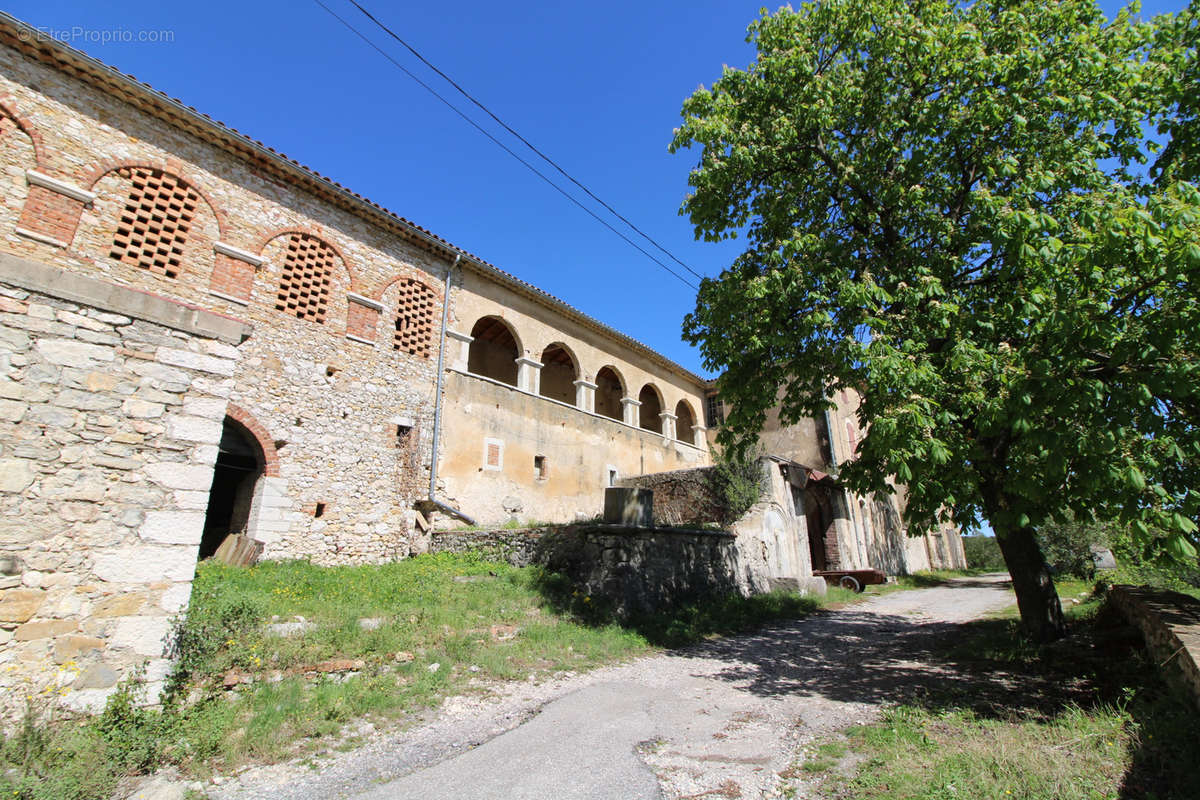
{"x":721,"y":719}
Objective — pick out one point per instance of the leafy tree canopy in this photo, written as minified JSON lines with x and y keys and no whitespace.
{"x":945,"y":208}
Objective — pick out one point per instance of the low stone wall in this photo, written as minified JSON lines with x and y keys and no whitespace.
{"x":110,"y":415}
{"x":1170,"y":623}
{"x":517,"y":547}
{"x":681,"y":497}
{"x":641,"y":570}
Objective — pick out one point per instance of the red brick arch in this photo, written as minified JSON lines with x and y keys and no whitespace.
{"x":421,"y":278}
{"x":260,"y":434}
{"x":6,"y":109}
{"x":263,"y":241}
{"x":90,"y":177}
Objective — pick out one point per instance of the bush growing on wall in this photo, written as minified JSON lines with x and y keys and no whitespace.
{"x":737,"y":482}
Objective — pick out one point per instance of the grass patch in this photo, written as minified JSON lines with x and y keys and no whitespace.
{"x":1087,"y":717}
{"x":404,"y":636}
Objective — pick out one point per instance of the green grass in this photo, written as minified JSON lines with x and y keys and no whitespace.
{"x":448,"y":625}
{"x":1084,"y":718}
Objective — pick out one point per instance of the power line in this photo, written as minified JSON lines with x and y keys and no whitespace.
{"x":525,"y":141}
{"x":500,"y":144}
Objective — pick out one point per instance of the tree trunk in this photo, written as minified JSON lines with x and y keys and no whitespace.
{"x":1041,"y":613}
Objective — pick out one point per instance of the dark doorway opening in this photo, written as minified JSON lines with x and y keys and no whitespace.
{"x":822,"y":539}
{"x":235,"y":476}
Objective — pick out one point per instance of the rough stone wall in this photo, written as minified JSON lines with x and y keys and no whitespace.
{"x":328,"y":392}
{"x":109,"y":427}
{"x":681,"y":497}
{"x":1170,"y":623}
{"x":516,"y":546}
{"x":640,"y":570}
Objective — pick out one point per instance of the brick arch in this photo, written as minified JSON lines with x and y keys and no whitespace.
{"x":260,"y":434}
{"x":7,"y":103}
{"x":433,"y":286}
{"x":89,"y":178}
{"x":262,"y":242}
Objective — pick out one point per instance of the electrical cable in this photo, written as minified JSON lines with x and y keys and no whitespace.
{"x":525,"y":141}
{"x":501,"y":145}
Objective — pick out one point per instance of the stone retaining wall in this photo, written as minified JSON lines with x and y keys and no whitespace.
{"x":516,"y":546}
{"x":640,"y":570}
{"x":1170,"y":623}
{"x":110,"y":416}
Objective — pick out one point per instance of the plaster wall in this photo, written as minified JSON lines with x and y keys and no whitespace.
{"x":579,"y":449}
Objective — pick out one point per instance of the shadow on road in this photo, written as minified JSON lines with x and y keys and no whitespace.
{"x":983,"y":665}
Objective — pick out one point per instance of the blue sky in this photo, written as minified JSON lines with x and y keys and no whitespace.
{"x":596,"y":86}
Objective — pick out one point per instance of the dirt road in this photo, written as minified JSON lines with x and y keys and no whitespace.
{"x":721,"y":719}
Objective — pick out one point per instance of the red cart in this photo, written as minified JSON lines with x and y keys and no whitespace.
{"x":853,"y":579}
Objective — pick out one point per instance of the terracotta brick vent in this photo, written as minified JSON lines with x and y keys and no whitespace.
{"x":307,"y":269}
{"x":414,"y":325}
{"x":154,"y":225}
{"x":493,"y":455}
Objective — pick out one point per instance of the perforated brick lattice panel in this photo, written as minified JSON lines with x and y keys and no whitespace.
{"x":154,"y":224}
{"x":414,"y":325}
{"x":493,"y":454}
{"x":304,"y":287}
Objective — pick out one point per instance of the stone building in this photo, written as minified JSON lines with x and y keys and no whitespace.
{"x":199,"y":335}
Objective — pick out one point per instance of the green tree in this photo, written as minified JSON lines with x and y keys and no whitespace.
{"x":945,"y":209}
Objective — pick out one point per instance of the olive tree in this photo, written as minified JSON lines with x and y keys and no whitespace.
{"x":944,"y":207}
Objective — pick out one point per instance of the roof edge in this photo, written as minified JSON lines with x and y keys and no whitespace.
{"x":27,"y":39}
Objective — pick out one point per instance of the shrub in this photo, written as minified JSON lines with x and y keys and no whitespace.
{"x":983,"y":552}
{"x":737,"y":482}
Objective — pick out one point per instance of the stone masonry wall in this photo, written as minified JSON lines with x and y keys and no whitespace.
{"x":328,"y":380}
{"x":109,"y":424}
{"x":1170,"y":623}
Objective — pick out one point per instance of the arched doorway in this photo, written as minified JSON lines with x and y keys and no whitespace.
{"x":819,"y":520}
{"x":239,"y":466}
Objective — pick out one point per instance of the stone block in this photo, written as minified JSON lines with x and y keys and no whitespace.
{"x":16,"y":475}
{"x":122,"y":605}
{"x":180,"y":476}
{"x":194,"y":429}
{"x":144,"y":563}
{"x":12,"y":410}
{"x":196,"y":361}
{"x":69,"y":648}
{"x":141,"y":409}
{"x":173,"y":527}
{"x":208,"y":407}
{"x":67,"y":353}
{"x":31,"y":631}
{"x":632,"y":507}
{"x":85,"y":401}
{"x":175,"y":599}
{"x":97,"y":676}
{"x":143,"y":635}
{"x":19,"y":605}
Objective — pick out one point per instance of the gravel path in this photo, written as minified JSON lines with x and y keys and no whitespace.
{"x":721,"y":719}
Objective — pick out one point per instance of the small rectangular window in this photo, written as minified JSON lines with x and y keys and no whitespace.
{"x":539,"y":468}
{"x":612,"y":476}
{"x":403,"y":436}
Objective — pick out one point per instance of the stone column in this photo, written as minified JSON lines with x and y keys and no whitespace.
{"x":458,"y":347}
{"x":529,"y":375}
{"x":631,"y":411}
{"x":668,"y":424}
{"x":700,"y":436}
{"x":585,"y":396}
